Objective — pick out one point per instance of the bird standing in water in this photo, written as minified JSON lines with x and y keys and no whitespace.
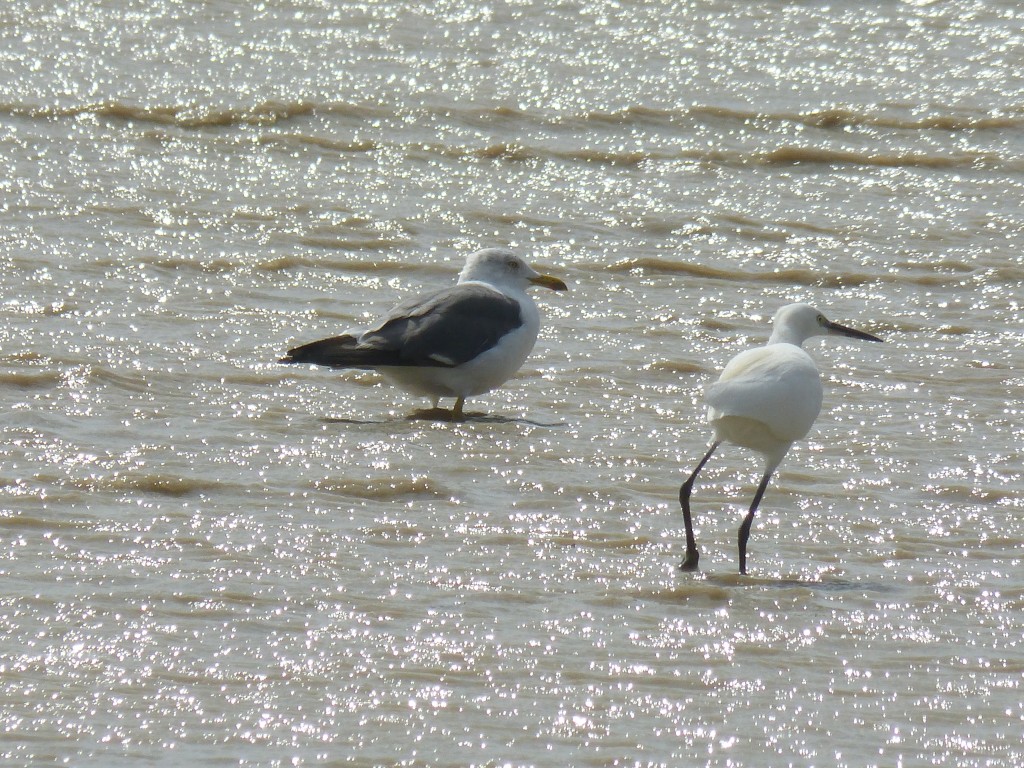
{"x":457,"y":342}
{"x":766,"y":399}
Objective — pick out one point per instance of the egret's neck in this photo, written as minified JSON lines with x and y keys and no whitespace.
{"x":786,"y":335}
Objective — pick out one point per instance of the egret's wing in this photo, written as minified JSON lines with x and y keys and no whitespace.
{"x":447,"y":328}
{"x":777,"y":385}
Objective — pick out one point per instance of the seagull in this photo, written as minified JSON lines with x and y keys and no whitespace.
{"x":766,"y":399}
{"x":458,"y":342}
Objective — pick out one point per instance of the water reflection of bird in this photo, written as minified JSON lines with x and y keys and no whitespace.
{"x":457,"y":342}
{"x":766,"y":399}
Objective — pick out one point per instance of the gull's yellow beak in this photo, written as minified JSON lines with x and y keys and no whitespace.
{"x":549,"y":282}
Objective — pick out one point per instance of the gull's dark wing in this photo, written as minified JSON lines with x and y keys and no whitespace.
{"x":442,"y":329}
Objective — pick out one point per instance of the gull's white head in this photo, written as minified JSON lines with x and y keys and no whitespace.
{"x":795,"y":323}
{"x":503,"y":269}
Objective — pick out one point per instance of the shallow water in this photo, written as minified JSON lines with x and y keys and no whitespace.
{"x":208,"y":556}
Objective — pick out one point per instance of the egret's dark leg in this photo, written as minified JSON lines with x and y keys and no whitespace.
{"x":692,"y":555}
{"x":749,"y":519}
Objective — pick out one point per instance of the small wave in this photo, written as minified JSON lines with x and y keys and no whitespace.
{"x":810,"y":278}
{"x":359,"y":112}
{"x":319,"y":142}
{"x":159,"y":484}
{"x":839,"y":117}
{"x":520,"y":218}
{"x":384,"y":489}
{"x":510,"y":152}
{"x":965,"y":492}
{"x":805,"y":226}
{"x":20,"y":521}
{"x":392,"y":267}
{"x":372,"y":243}
{"x":130,"y":381}
{"x":675,"y":366}
{"x":780,"y":156}
{"x":658,"y":227}
{"x":283,"y":263}
{"x":518,"y":153}
{"x":167,"y":485}
{"x":198,"y":264}
{"x":822,"y":156}
{"x":833,"y":118}
{"x":505,"y":113}
{"x":638,"y":114}
{"x":265,"y":113}
{"x":610,"y":157}
{"x":830,"y":118}
{"x":386,"y":267}
{"x":30,"y":379}
{"x":490,"y":116}
{"x":805,"y":277}
{"x":960,"y":330}
{"x":1009,"y":273}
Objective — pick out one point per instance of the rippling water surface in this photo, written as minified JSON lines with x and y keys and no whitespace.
{"x":208,"y":556}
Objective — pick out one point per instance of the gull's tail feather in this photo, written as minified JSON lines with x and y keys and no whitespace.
{"x":341,"y":352}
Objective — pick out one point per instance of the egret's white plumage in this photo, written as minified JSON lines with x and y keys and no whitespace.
{"x":458,"y":342}
{"x":777,"y":387}
{"x":765,"y":399}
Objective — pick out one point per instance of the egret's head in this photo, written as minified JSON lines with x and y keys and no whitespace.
{"x":795,"y":323}
{"x":500,"y":267}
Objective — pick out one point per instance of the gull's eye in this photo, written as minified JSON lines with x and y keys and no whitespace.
{"x":821,"y":320}
{"x":512,"y":264}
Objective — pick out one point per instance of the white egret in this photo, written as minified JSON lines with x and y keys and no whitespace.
{"x":458,"y":342}
{"x":766,"y":399}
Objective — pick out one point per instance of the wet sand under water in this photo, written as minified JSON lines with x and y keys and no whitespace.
{"x":208,"y":556}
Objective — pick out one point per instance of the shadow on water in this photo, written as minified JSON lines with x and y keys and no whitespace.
{"x":445,"y":417}
{"x":815,"y":585}
{"x":717,"y":590}
{"x":333,"y":420}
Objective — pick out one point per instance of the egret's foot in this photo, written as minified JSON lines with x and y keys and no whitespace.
{"x":690,"y":563}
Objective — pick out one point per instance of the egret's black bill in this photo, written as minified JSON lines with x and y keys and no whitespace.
{"x":853,"y":333}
